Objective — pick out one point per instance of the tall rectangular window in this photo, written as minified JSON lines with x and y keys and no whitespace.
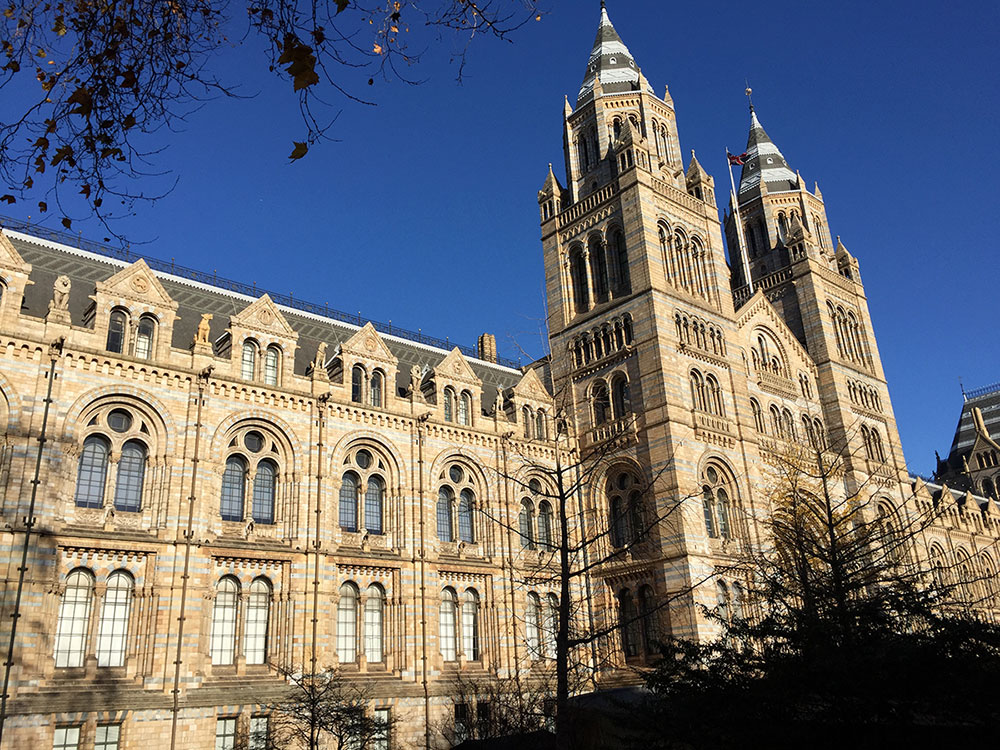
{"x":383,"y":720}
{"x":107,"y":736}
{"x":225,"y":734}
{"x":259,"y":733}
{"x":66,"y":738}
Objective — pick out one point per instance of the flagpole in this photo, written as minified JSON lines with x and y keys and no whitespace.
{"x":744,"y":258}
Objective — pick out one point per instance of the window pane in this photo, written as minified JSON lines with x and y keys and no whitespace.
{"x":107,"y":736}
{"x":112,"y":632}
{"x":524,"y":525}
{"x":446,"y":625}
{"x":383,"y":723}
{"x":223,"y":641}
{"x":92,"y":473}
{"x":470,"y":626}
{"x":545,"y":524}
{"x":373,"y":625}
{"x":347,"y":625}
{"x":373,"y":505}
{"x":449,"y":405}
{"x":258,"y":609}
{"x":74,"y":616}
{"x":377,"y":381}
{"x":263,"y":493}
{"x":271,"y":366}
{"x":531,"y":625}
{"x":551,"y":625}
{"x":259,"y":733}
{"x":349,"y":502}
{"x":233,"y":490}
{"x":357,"y":384}
{"x":444,"y":504}
{"x":248,"y":366}
{"x":116,"y":332}
{"x":66,"y":738}
{"x":131,"y":471}
{"x":465,"y":510}
{"x":225,"y":734}
{"x":144,"y":338}
{"x":464,"y":409}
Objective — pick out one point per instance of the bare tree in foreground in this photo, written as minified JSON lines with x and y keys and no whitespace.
{"x":104,"y":81}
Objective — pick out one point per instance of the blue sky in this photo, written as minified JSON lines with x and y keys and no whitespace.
{"x":425,"y":212}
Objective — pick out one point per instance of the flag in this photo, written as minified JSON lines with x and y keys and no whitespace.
{"x":736,"y":161}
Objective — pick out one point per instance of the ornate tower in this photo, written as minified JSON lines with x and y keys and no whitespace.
{"x":816,"y":287}
{"x":639,"y":300}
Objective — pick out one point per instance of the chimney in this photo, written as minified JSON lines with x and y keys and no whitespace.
{"x":487,"y":348}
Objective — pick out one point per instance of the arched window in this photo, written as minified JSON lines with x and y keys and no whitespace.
{"x":446,"y":624}
{"x":465,"y":409}
{"x":578,"y":274}
{"x":544,"y":524}
{"x":92,"y":472}
{"x":116,"y":331}
{"x":233,"y":489}
{"x":540,"y":424}
{"x":618,"y":522}
{"x":257,"y":616}
{"x":466,"y":529}
{"x":374,"y":624}
{"x":358,"y":384}
{"x":449,"y":405}
{"x":377,"y":388}
{"x":224,"y":616}
{"x":445,"y":503}
{"x":272,"y":365}
{"x":628,"y":623}
{"x":551,"y":629}
{"x":619,"y":254}
{"x":112,"y":630}
{"x":713,"y":397}
{"x":758,"y":416}
{"x":599,"y":269}
{"x":602,"y":403}
{"x":347,"y":624}
{"x":131,"y":471}
{"x":782,"y":227}
{"x":527,"y":421}
{"x":248,"y":364}
{"x":349,"y":502}
{"x":698,"y":390}
{"x":647,"y":618}
{"x":263,"y":492}
{"x":74,"y":619}
{"x":374,"y":501}
{"x":532,"y":617}
{"x":717,"y":497}
{"x":620,"y":397}
{"x":788,"y":424}
{"x":144,"y":337}
{"x":525,"y":521}
{"x":470,"y":625}
{"x":722,"y":601}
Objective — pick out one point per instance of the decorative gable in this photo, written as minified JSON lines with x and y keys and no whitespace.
{"x":533,"y":406}
{"x":456,"y":369}
{"x":531,"y":388}
{"x":759,"y":311}
{"x":136,"y":292}
{"x":14,"y":280}
{"x":369,"y":368}
{"x":261,"y":344}
{"x":458,"y":389}
{"x":368,"y":345}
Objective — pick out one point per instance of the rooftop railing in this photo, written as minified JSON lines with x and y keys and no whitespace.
{"x":250,"y":290}
{"x":984,"y":391}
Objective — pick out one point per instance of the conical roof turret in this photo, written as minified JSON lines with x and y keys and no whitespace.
{"x":610,"y":63}
{"x":764,"y":162}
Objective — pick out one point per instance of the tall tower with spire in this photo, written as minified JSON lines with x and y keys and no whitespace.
{"x":816,"y":288}
{"x":639,"y":307}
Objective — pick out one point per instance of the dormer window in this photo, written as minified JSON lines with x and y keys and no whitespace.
{"x":144,"y":337}
{"x":357,"y":384}
{"x":248,"y":363}
{"x":116,"y":331}
{"x":272,"y":365}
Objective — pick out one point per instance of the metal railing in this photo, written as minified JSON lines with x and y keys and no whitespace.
{"x":250,"y":290}
{"x":984,"y":391}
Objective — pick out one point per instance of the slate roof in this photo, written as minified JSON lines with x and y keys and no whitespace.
{"x":986,"y":400}
{"x":764,"y":162}
{"x":50,"y":259}
{"x":611,"y":62}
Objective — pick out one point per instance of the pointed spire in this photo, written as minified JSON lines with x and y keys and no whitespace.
{"x":567,"y":110}
{"x":764,"y":162}
{"x":695,"y":168}
{"x":610,"y":64}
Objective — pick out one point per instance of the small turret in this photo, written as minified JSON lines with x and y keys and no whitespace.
{"x":550,"y":197}
{"x":699,"y":182}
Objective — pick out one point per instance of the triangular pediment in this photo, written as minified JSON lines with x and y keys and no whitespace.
{"x":137,"y":282}
{"x":264,"y":316}
{"x":982,"y":443}
{"x":368,"y":344}
{"x":530,"y":386}
{"x":759,"y":311}
{"x":456,"y":367}
{"x":10,"y":258}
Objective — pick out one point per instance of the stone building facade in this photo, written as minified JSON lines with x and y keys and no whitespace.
{"x":223,"y":483}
